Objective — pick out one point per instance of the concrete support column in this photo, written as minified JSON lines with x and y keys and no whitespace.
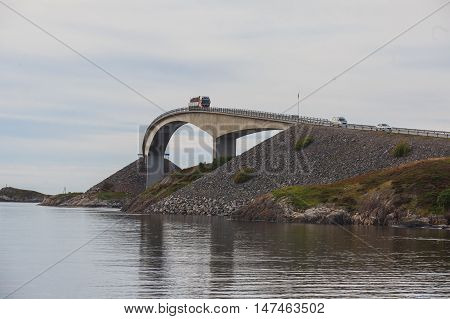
{"x":225,"y":146}
{"x":157,"y":166}
{"x":156,"y":169}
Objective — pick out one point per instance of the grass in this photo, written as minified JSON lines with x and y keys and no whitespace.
{"x":176,"y":181}
{"x":182,"y":178}
{"x":243,"y":175}
{"x":111,"y":195}
{"x":67,"y":195}
{"x":443,"y":200}
{"x":303,"y":142}
{"x":217,"y":162}
{"x":304,"y":197}
{"x":402,"y":149}
{"x":420,"y":186}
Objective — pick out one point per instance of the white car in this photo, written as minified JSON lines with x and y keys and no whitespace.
{"x":339,"y":121}
{"x":383,"y":127}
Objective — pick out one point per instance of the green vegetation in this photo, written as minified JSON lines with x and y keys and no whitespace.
{"x":402,"y":149}
{"x":170,"y":184}
{"x":443,"y":200}
{"x":304,"y":197}
{"x":111,"y":195}
{"x":59,"y":199}
{"x":66,"y":196}
{"x":419,"y":186}
{"x":243,"y":175}
{"x":303,"y":142}
{"x":217,"y":162}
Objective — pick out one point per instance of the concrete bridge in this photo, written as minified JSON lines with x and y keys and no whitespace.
{"x":226,"y":126}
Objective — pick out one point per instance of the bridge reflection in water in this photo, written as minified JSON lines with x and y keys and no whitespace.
{"x":210,"y":257}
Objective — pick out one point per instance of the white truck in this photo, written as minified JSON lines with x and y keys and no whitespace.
{"x":338,"y":121}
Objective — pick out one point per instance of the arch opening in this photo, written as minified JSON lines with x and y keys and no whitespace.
{"x":249,"y":141}
{"x":189,"y":146}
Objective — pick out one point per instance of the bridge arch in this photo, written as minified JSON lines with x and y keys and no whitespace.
{"x":225,"y":128}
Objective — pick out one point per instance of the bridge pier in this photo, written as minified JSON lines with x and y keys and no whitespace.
{"x":157,"y":166}
{"x":225,"y":146}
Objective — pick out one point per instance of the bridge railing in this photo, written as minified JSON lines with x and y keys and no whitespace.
{"x":399,"y":130}
{"x":295,"y":119}
{"x":260,"y":114}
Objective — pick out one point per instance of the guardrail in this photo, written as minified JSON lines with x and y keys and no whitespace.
{"x":399,"y":130}
{"x":302,"y":119}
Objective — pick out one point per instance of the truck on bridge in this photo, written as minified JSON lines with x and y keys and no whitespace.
{"x":199,"y":101}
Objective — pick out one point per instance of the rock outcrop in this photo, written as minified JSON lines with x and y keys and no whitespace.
{"x":267,"y":208}
{"x":115,"y":191}
{"x":413,"y":194}
{"x":60,"y":199}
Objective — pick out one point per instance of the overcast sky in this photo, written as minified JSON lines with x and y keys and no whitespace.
{"x":65,"y":123}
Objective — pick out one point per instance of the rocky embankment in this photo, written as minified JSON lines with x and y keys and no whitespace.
{"x":267,"y":208}
{"x":115,"y":191}
{"x":10,"y":194}
{"x":413,"y":194}
{"x":173,"y":182}
{"x":335,"y":154}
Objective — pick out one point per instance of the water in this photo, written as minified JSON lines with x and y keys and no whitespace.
{"x":211,"y":257}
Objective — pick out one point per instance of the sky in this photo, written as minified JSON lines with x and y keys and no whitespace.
{"x":65,"y":123}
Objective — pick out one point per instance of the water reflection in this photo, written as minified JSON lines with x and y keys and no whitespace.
{"x":151,"y":270}
{"x":221,"y":262}
{"x":210,"y":257}
{"x":281,"y":260}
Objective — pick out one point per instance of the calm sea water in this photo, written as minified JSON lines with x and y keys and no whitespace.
{"x":211,"y":257}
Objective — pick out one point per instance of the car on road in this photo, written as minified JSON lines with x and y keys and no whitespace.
{"x":338,"y":121}
{"x":383,"y":127}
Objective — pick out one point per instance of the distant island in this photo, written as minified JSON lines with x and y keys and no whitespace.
{"x":10,"y":194}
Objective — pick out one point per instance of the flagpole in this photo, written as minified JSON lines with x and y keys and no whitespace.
{"x":298,"y":106}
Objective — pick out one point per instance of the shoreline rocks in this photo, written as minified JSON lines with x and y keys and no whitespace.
{"x":267,"y":208}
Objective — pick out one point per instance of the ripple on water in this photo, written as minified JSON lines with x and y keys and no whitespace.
{"x":208,"y":257}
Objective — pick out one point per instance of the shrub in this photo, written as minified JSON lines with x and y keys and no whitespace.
{"x":303,"y":142}
{"x":220,"y":161}
{"x":443,"y":200}
{"x":402,"y":149}
{"x":243,"y":175}
{"x":69,"y":195}
{"x":111,"y":195}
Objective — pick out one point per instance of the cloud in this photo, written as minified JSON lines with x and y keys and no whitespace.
{"x":247,"y":54}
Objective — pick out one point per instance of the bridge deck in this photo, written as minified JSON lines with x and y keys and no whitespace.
{"x":286,"y":118}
